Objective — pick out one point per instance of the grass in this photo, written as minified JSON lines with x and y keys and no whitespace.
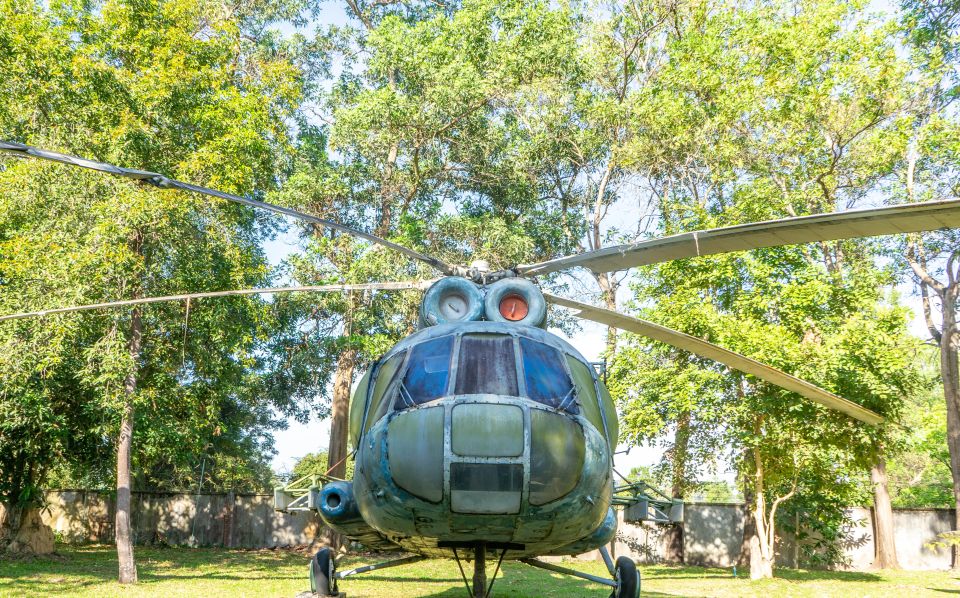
{"x":168,"y":572}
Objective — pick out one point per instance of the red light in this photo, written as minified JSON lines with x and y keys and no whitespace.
{"x":513,"y":308}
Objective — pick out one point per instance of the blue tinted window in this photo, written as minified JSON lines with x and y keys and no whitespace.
{"x":547,"y":379}
{"x":428,"y":370}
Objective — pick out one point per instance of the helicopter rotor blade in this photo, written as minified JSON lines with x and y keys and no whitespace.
{"x":729,"y":358}
{"x":163,"y":182}
{"x":368,"y":286}
{"x":873,"y":222}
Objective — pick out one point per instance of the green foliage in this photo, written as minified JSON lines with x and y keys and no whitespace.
{"x":199,"y":91}
{"x":715,"y":491}
{"x":316,"y":464}
{"x":919,"y":468}
{"x":757,"y":113}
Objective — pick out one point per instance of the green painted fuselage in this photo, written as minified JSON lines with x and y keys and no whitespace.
{"x":484,"y":432}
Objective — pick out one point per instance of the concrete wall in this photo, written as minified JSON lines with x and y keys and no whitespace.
{"x":232,"y":520}
{"x":713,"y":533}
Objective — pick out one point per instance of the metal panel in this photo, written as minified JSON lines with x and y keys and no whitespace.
{"x":492,"y":488}
{"x":415,"y":452}
{"x":358,"y":407}
{"x":719,"y":354}
{"x":583,"y":378}
{"x":889,"y":220}
{"x":485,"y":430}
{"x":556,"y":456}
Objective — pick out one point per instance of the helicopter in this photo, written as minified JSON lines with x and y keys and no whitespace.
{"x":485,"y":433}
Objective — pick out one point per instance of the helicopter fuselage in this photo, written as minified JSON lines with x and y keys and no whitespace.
{"x":484,"y":432}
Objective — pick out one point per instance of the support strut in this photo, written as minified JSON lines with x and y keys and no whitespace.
{"x":480,"y":570}
{"x":565,"y":571}
{"x":608,"y":561}
{"x":375,"y":567}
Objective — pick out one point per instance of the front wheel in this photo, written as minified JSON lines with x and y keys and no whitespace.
{"x":322,"y":570}
{"x":627,"y":578}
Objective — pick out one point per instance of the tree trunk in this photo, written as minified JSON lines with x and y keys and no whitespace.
{"x":128,"y":568}
{"x":674,"y":534}
{"x":951,"y":394}
{"x":886,"y":549}
{"x":761,"y":567}
{"x":761,"y":544}
{"x":340,"y":414}
{"x":749,"y":527}
{"x":340,"y":417}
{"x":608,"y":289}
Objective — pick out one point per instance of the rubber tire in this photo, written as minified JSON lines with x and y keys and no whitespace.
{"x":430,"y":306}
{"x":536,"y":304}
{"x":322,"y":569}
{"x":628,"y":579}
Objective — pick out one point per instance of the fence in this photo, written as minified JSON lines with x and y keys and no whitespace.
{"x":713,"y":536}
{"x":713,"y":533}
{"x":231,"y":520}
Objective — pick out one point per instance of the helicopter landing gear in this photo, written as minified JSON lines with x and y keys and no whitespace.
{"x":323,"y":571}
{"x":480,"y":589}
{"x":324,"y":575}
{"x":626,"y":578}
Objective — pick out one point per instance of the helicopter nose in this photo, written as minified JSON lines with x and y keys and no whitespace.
{"x":484,"y":454}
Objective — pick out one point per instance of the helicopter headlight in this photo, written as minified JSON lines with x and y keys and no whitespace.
{"x":451,"y":299}
{"x":515,"y":300}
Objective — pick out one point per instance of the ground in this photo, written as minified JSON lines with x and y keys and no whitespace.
{"x":168,"y":572}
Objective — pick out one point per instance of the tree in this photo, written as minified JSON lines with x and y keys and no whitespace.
{"x":135,"y":84}
{"x":315,"y":464}
{"x":929,"y":172}
{"x":745,"y":127}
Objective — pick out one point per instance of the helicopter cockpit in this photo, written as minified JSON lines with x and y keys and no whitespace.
{"x":482,"y":340}
{"x":483,"y":362}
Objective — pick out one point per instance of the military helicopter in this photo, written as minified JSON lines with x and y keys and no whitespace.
{"x":485,"y":433}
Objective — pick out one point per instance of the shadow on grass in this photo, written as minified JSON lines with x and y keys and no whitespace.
{"x":817,"y":575}
{"x":74,"y":568}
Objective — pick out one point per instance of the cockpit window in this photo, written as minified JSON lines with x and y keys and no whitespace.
{"x":546,"y":377}
{"x":380,"y":400}
{"x":487,"y":365}
{"x":428,"y":371}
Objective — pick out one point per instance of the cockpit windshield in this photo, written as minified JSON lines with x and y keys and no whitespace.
{"x":427,"y":373}
{"x":487,"y":364}
{"x":546,"y":377}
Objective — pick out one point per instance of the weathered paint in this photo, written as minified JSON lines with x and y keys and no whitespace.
{"x":402,"y":496}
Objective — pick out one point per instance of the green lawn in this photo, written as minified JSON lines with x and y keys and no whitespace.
{"x":167,"y":572}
